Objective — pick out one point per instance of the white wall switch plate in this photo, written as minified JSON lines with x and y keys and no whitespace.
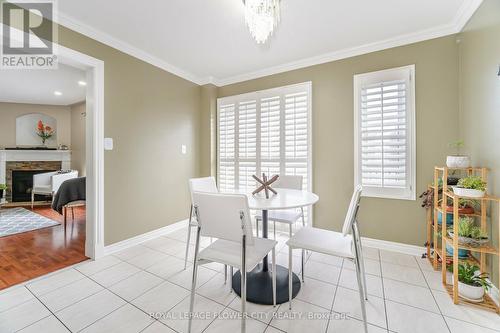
{"x":108,"y":143}
{"x":183,"y":149}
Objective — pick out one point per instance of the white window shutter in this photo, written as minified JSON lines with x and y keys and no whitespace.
{"x":226,"y":146}
{"x":270,"y":135}
{"x":297,"y":135}
{"x":266,"y":131}
{"x":384,"y":133}
{"x":247,"y":144}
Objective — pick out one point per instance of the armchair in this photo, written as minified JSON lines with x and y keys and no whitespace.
{"x":48,"y":183}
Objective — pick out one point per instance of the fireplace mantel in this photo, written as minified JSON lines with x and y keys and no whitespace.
{"x":64,"y":156}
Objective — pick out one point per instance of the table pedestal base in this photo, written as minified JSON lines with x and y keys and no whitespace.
{"x":260,"y":285}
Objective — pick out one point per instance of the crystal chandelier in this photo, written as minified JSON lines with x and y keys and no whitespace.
{"x":262,"y":16}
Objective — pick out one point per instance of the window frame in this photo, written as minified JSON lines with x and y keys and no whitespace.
{"x":361,"y":80}
{"x":258,"y":96}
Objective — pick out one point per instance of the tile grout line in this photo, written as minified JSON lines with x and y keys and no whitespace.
{"x":127,"y":302}
{"x":50,"y":311}
{"x":335,"y":295}
{"x":45,"y":293}
{"x":434,"y":298}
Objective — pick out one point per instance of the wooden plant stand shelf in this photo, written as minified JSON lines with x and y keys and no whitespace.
{"x":438,"y":238}
{"x":488,"y":303}
{"x":486,"y":248}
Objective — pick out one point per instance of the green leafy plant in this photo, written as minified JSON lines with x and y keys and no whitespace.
{"x":464,"y":203}
{"x":467,"y":228}
{"x":470,"y":275}
{"x":472,"y":182}
{"x":3,"y":187}
{"x":457,"y":145}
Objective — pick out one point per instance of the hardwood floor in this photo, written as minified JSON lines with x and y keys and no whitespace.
{"x":31,"y":254}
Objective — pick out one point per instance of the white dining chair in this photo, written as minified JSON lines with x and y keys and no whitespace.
{"x":48,"y":183}
{"x":204,"y":184}
{"x":227,"y":218}
{"x":345,"y":244}
{"x":286,"y":216}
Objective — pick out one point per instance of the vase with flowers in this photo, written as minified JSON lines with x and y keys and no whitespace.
{"x":45,"y":132}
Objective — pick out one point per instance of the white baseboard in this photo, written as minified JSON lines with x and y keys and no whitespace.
{"x":393,"y":246}
{"x":124,"y":244}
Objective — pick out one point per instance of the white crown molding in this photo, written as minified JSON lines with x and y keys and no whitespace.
{"x":464,"y":13}
{"x":122,"y":46}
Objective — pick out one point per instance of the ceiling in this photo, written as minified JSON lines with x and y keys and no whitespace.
{"x":37,"y":86}
{"x":207,"y":41}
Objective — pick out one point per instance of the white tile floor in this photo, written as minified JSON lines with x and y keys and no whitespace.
{"x":119,"y":292}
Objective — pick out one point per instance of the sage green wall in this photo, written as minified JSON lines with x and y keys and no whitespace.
{"x":78,"y":137}
{"x":208,"y":139}
{"x":333,"y":151}
{"x":10,"y":111}
{"x":149,"y":113}
{"x":479,"y":53}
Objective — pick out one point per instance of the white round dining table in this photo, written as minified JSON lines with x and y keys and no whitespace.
{"x":259,"y":280}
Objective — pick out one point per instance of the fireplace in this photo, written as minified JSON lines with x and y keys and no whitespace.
{"x":24,"y":171}
{"x":22,"y":184}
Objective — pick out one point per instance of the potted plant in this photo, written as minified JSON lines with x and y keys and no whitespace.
{"x":472,"y":186}
{"x":469,"y":233}
{"x":3,"y":188}
{"x":465,"y":206}
{"x":458,"y":160}
{"x":471,"y":282}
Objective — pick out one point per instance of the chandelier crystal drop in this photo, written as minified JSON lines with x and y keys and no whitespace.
{"x":261,"y":17}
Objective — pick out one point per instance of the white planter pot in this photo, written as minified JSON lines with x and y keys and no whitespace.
{"x":454,"y":161}
{"x":467,"y":192}
{"x":471,"y":293}
{"x":449,"y":277}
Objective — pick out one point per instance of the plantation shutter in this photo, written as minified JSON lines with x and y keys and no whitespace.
{"x":384,"y":133}
{"x":247,"y":144}
{"x":270,"y":135}
{"x":226,"y":146}
{"x":296,"y":135}
{"x":265,"y":131}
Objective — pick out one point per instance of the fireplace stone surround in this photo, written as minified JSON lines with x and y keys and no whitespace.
{"x":32,"y":160}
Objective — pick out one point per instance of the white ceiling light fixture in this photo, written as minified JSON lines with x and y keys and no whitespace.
{"x":82,"y":83}
{"x":57,"y":93}
{"x":261,"y":17}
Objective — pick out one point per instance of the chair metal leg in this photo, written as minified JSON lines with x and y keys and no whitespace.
{"x":231,"y":279}
{"x":303,"y":263}
{"x":274,"y":276}
{"x":363,"y":276}
{"x":188,"y":236}
{"x":191,"y":300}
{"x":290,"y":286}
{"x":32,"y":199}
{"x":193,"y":282}
{"x":65,"y":214}
{"x":357,"y":243}
{"x":243,"y":271}
{"x":361,"y":293}
{"x":303,"y":218}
